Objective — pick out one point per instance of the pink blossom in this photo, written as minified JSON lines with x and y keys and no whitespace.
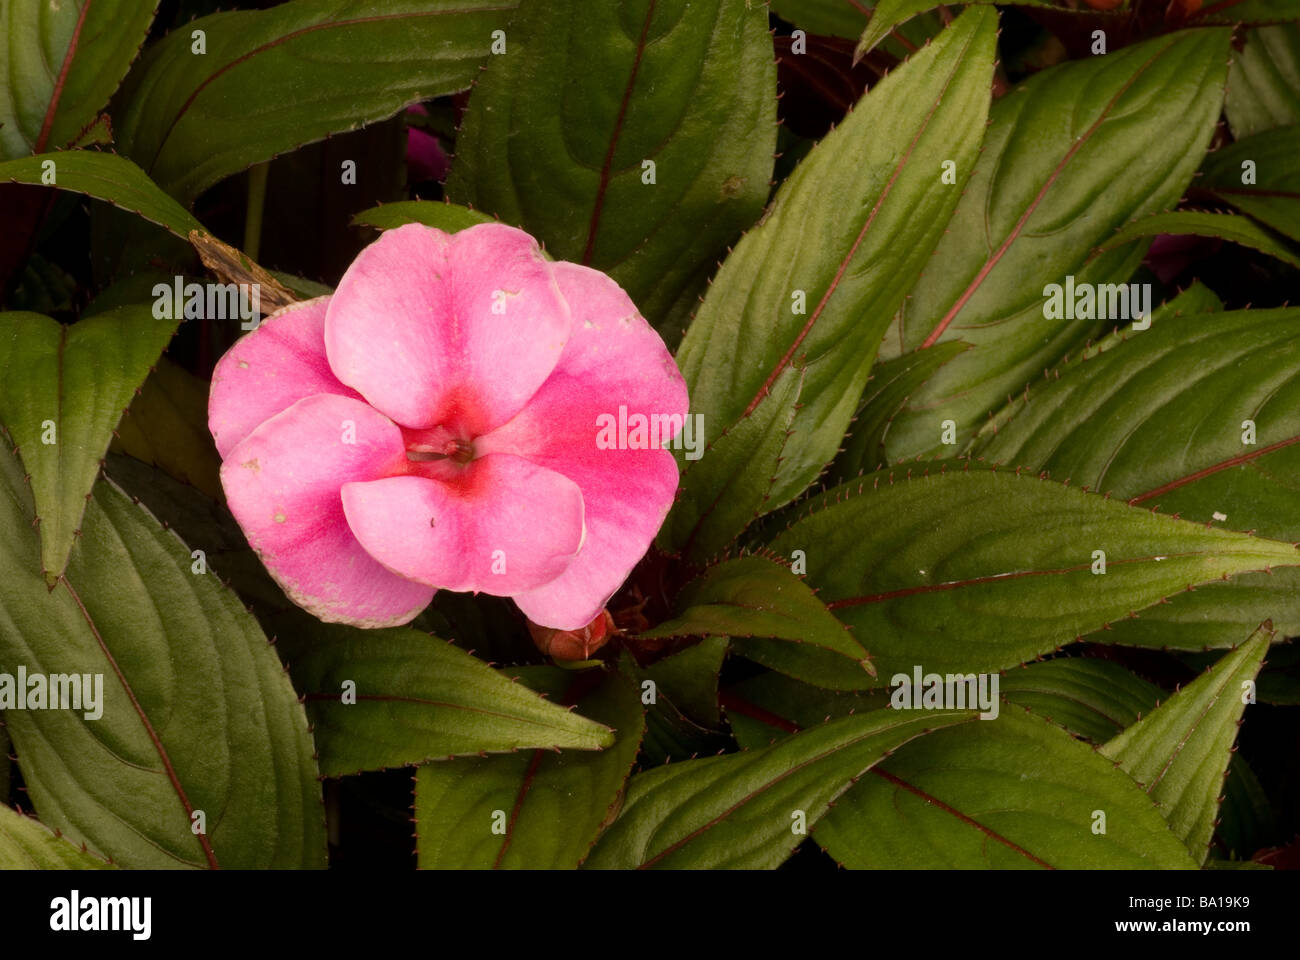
{"x":433,"y":424}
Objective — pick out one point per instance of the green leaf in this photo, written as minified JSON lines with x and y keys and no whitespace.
{"x":1076,"y":152}
{"x":927,"y":834}
{"x":753,"y":597}
{"x":763,"y":708}
{"x":205,"y":524}
{"x":1213,"y":616}
{"x":447,"y":217}
{"x":273,"y":80}
{"x":1264,"y":82}
{"x":969,"y":570}
{"x":731,"y":485}
{"x":27,"y":844}
{"x":815,"y":285}
{"x":1157,"y":417}
{"x":1092,"y":698}
{"x":417,"y":698}
{"x":1225,"y":226}
{"x":197,"y":713}
{"x":1272,"y":198}
{"x":834,"y":18}
{"x":737,"y":811}
{"x":64,"y":391}
{"x":689,"y":678}
{"x":1180,"y":753}
{"x":108,"y":177}
{"x":1017,"y":792}
{"x":1098,"y":699}
{"x":558,"y":133}
{"x":892,"y":382}
{"x":554,"y":804}
{"x":59,"y":64}
{"x":167,"y":425}
{"x":889,"y":14}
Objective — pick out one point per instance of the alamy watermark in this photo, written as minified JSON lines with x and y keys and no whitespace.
{"x":54,"y":691}
{"x":952,"y":691}
{"x":1099,"y":301}
{"x":640,"y":431}
{"x":75,"y":913}
{"x":211,"y":301}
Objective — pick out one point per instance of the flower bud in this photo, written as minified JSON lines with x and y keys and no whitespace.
{"x":573,"y":644}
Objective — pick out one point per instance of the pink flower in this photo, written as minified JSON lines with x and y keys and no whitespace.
{"x":433,"y":424}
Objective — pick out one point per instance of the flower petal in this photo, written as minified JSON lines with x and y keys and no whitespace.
{"x":504,"y":526}
{"x":270,"y":369}
{"x":282,"y":482}
{"x":613,"y":359}
{"x":453,"y":330}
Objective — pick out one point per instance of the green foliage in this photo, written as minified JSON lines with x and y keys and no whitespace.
{"x":64,"y":392}
{"x":560,"y":132}
{"x":195,"y":711}
{"x":391,"y":698}
{"x":926,"y":448}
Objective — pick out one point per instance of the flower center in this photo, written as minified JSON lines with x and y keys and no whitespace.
{"x":438,"y":445}
{"x":462,"y":451}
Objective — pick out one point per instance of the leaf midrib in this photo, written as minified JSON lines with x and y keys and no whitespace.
{"x":958,"y":63}
{"x":772,"y":782}
{"x":170,"y":770}
{"x":48,"y":122}
{"x":1019,"y":227}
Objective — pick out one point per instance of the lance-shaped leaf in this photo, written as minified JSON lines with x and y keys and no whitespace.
{"x":1213,"y":616}
{"x":1011,"y":792}
{"x":969,"y":570}
{"x":27,"y":844}
{"x":448,"y":217}
{"x":890,"y":14}
{"x":1224,"y":226}
{"x":1257,"y":176}
{"x":60,"y":62}
{"x":268,"y":81}
{"x":848,"y":18}
{"x":107,"y":177}
{"x":1098,"y":699}
{"x":892,"y":382}
{"x":732,"y":484}
{"x":738,"y":811}
{"x":64,"y":390}
{"x":392,"y":698}
{"x":1264,"y":82}
{"x":689,"y":678}
{"x":1017,"y":792}
{"x":1159,"y":417}
{"x":814,"y":286}
{"x":1073,"y":154}
{"x":636,"y":137}
{"x":553,"y":804}
{"x":1092,"y":698}
{"x":754,"y":597}
{"x":1180,"y":753}
{"x":195,"y":750}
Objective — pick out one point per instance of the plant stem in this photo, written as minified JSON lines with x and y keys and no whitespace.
{"x":253,"y":214}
